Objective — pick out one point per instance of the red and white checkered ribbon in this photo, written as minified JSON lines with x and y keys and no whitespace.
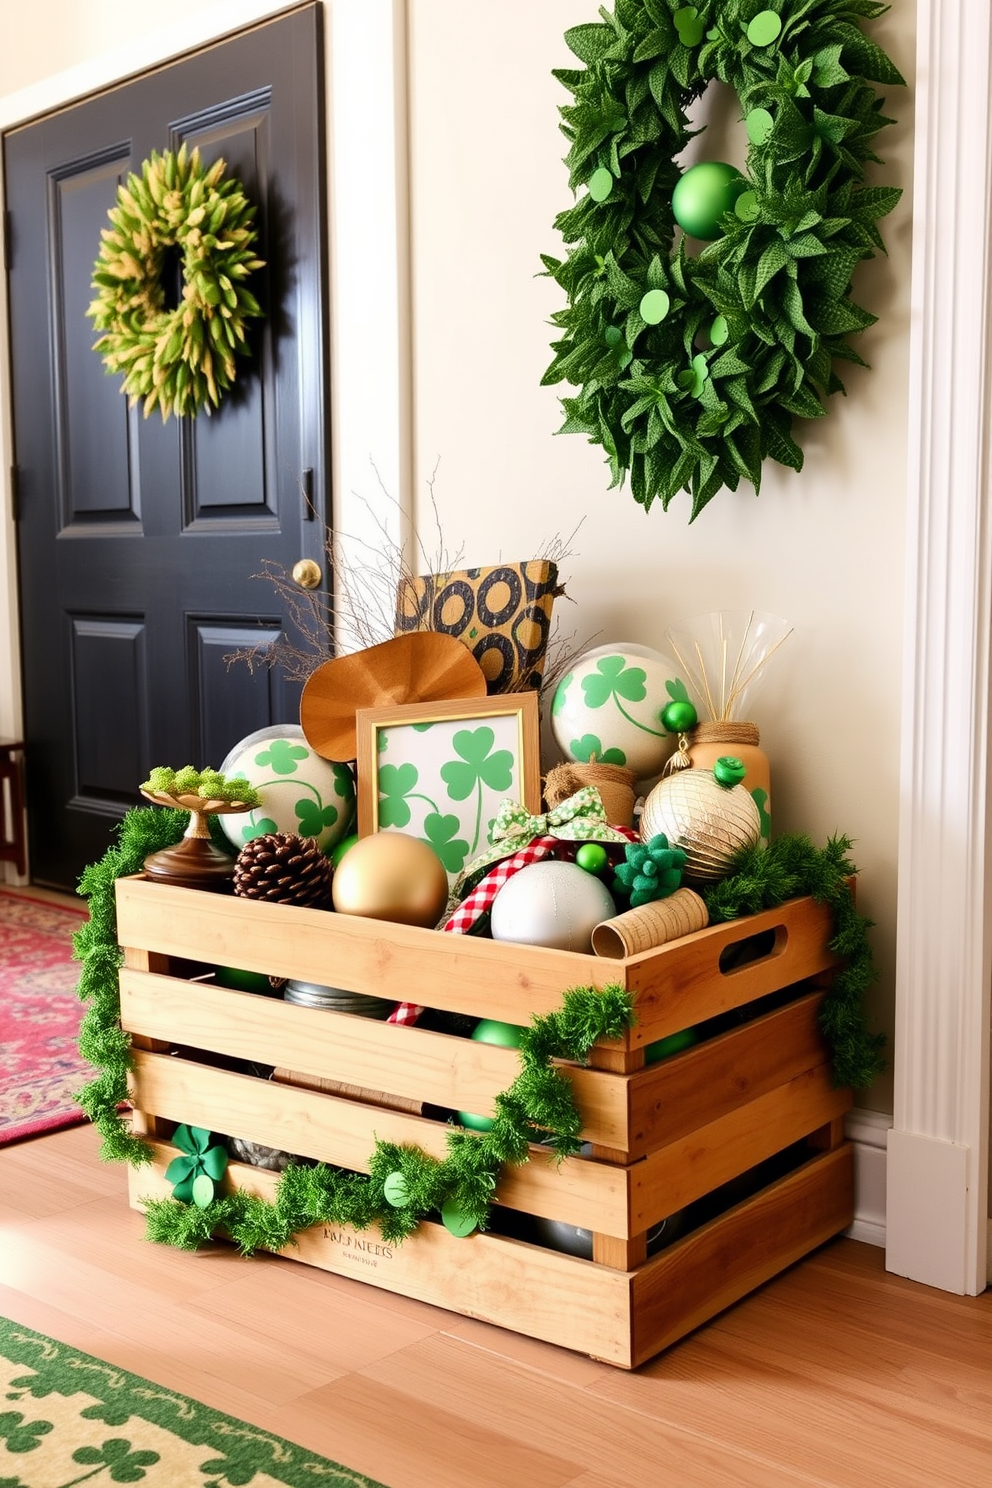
{"x":462,"y":921}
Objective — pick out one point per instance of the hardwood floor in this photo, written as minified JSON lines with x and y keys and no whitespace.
{"x":835,"y":1374}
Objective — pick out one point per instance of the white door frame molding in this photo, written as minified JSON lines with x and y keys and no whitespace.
{"x":938,"y":1147}
{"x":365,"y":82}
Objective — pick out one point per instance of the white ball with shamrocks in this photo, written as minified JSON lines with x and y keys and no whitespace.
{"x":301,"y":792}
{"x":607,"y":710}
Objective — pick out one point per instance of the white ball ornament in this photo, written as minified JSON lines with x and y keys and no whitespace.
{"x":301,"y":792}
{"x":607,"y":710}
{"x":710,"y":821}
{"x":551,"y":904}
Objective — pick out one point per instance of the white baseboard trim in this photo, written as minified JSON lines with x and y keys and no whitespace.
{"x":868,"y":1131}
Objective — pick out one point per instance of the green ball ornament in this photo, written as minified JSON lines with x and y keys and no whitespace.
{"x":592,"y":857}
{"x":343,"y":846}
{"x":677,"y":717}
{"x":490,"y":1031}
{"x":729,"y":771}
{"x":243,"y":981}
{"x":674,"y":1043}
{"x":703,"y":194}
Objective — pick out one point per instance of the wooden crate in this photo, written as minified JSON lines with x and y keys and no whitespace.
{"x":666,"y":1137}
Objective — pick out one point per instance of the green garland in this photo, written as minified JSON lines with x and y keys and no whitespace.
{"x":537,"y":1107}
{"x":736,"y":343}
{"x":179,"y":358}
{"x":764,"y":878}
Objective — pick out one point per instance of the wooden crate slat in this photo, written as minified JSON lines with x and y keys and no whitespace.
{"x":687,"y":1090}
{"x":538,"y":1292}
{"x":703,"y":1160}
{"x":671,"y":992}
{"x":343,"y":1132}
{"x":724,"y":1260}
{"x":484,"y":978}
{"x":407,"y":1061}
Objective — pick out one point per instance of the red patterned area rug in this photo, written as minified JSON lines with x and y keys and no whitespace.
{"x":40,"y":1066}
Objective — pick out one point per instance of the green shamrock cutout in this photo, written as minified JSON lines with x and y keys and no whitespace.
{"x":123,"y":1464}
{"x":477,"y":766}
{"x":439,"y":833}
{"x":589,"y":749}
{"x":200,"y":1166}
{"x":395,"y":783}
{"x":312,"y":818}
{"x":760,"y":799}
{"x":281,"y":756}
{"x":651,"y":870}
{"x":677,"y":691}
{"x":21,"y":1435}
{"x":613,"y":678}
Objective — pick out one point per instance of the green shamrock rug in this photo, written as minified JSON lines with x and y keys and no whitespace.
{"x":69,"y":1419}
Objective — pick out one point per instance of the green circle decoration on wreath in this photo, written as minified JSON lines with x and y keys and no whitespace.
{"x":179,"y":358}
{"x":691,"y":367}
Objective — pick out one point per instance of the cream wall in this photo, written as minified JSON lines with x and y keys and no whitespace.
{"x":824,"y":548}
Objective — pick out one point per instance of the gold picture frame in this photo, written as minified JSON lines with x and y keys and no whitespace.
{"x":440,"y":770}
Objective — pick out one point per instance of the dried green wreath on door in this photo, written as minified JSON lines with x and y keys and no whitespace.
{"x":691,"y":369}
{"x":178,"y":358}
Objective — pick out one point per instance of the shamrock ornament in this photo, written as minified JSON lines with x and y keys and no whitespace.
{"x":199,"y":1168}
{"x":652,"y":870}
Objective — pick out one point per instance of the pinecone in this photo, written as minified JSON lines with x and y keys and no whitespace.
{"x":284,"y":869}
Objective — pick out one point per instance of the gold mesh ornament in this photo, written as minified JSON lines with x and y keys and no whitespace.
{"x":710,"y":823}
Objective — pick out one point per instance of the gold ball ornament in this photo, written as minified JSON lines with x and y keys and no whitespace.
{"x":710,"y":823}
{"x":390,"y":876}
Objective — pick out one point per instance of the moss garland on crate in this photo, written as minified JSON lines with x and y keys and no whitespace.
{"x":792,"y":866}
{"x":537,"y":1107}
{"x":691,"y":370}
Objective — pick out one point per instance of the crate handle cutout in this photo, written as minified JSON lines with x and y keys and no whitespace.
{"x":750,"y":949}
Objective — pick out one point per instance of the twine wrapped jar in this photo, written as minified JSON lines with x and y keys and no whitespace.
{"x":708,"y":741}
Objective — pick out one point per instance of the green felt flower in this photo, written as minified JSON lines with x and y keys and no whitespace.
{"x":116,"y":1455}
{"x":478,"y":765}
{"x":651,"y":870}
{"x":20,"y":1435}
{"x":199,"y":1168}
{"x":281,"y":756}
{"x":612,"y":678}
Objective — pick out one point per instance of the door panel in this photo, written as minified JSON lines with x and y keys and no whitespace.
{"x":140,"y":542}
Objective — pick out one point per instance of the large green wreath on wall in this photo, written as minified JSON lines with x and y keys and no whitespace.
{"x":690,"y":369}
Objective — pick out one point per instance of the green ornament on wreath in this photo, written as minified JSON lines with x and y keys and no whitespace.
{"x":178,"y":358}
{"x":691,"y":368}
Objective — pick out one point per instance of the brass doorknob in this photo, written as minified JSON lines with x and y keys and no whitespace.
{"x":307,"y":574}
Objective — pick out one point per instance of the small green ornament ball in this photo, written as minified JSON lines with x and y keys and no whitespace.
{"x":342,"y":847}
{"x":678,"y":716}
{"x":674,"y":1043}
{"x":592,"y":857}
{"x":703,"y":194}
{"x":490,"y":1031}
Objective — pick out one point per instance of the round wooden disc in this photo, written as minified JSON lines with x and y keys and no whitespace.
{"x":422,"y":667}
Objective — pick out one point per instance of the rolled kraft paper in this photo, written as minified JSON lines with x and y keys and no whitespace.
{"x":651,"y":925}
{"x":614,"y":783}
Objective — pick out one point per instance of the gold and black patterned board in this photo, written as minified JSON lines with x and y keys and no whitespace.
{"x":502,"y":613}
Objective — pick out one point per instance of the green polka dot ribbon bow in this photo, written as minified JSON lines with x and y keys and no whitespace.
{"x":579,"y":818}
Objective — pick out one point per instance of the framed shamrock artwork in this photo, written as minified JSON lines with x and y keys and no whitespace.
{"x":439,"y":771}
